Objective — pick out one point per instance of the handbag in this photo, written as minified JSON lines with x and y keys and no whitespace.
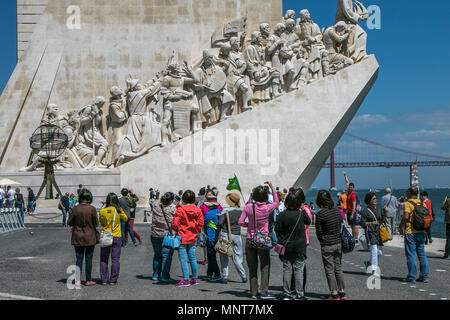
{"x":384,"y":234}
{"x":106,"y":238}
{"x":281,"y":249}
{"x":260,"y":240}
{"x":225,"y":246}
{"x":170,"y":241}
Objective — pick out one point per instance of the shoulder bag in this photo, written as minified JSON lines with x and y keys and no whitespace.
{"x":106,"y":238}
{"x":384,"y":234}
{"x":281,"y":249}
{"x":170,"y":241}
{"x":224,"y":246}
{"x":260,"y":240}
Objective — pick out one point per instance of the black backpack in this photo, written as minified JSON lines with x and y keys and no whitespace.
{"x":422,"y":218}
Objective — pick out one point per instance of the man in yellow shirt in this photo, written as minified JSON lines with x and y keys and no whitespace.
{"x":414,"y":240}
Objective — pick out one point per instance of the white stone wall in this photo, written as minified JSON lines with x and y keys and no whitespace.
{"x":117,"y":38}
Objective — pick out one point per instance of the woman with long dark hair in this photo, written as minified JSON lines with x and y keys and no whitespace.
{"x":371,"y":219}
{"x":84,"y":222}
{"x":328,"y":230}
{"x":110,"y":219}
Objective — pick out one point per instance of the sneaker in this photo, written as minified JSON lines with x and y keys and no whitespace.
{"x":244,"y":280}
{"x":333,"y":297}
{"x":287,"y":297}
{"x":205,"y":262}
{"x":114,"y":283}
{"x":183,"y":283}
{"x":135,"y":244}
{"x":409,"y":280}
{"x":255,"y":297}
{"x":214,"y":279}
{"x":78,"y":284}
{"x":90,"y":283}
{"x":155,"y":278}
{"x":194,"y":282}
{"x":342,"y":295}
{"x":222,"y":280}
{"x":301,"y":298}
{"x":422,"y":280}
{"x":367,"y":265}
{"x":267,"y":296}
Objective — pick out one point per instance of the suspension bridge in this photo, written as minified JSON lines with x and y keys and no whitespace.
{"x":356,"y":152}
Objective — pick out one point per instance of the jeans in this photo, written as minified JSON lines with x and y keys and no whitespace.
{"x":255,"y":257}
{"x":162,"y":259}
{"x":272,"y":234}
{"x":415,"y":243}
{"x":1,"y":204}
{"x":87,"y":253}
{"x":187,"y":251}
{"x":64,"y":213}
{"x":30,"y":207}
{"x":125,"y":225}
{"x":10,"y":204}
{"x":375,"y":252}
{"x":137,"y":236}
{"x":213,"y":267}
{"x":295,"y":268}
{"x":238,"y":256}
{"x":114,"y":251}
{"x":332,"y":263}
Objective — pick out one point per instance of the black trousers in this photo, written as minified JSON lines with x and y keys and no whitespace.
{"x":87,"y":253}
{"x":213,"y":266}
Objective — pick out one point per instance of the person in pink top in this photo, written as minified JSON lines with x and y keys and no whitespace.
{"x":257,"y":256}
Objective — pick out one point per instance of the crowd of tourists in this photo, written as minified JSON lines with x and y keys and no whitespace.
{"x":14,"y":199}
{"x":274,"y":220}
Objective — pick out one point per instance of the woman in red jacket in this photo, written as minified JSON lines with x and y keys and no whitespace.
{"x":187,"y":223}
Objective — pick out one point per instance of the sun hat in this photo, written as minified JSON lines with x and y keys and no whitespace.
{"x":233,"y":200}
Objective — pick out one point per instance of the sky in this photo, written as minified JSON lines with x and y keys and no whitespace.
{"x":409,"y":105}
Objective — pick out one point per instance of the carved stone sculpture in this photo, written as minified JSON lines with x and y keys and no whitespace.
{"x":142,"y":132}
{"x":210,"y":89}
{"x":93,"y":127}
{"x":352,"y":12}
{"x":334,"y":39}
{"x":309,"y":33}
{"x":234,"y":67}
{"x":281,"y":55}
{"x":117,"y":120}
{"x":181,"y":100}
{"x":264,"y":80}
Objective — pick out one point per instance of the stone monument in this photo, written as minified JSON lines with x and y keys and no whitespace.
{"x":247,"y":83}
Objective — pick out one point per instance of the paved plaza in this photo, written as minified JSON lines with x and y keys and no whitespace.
{"x":34,"y":264}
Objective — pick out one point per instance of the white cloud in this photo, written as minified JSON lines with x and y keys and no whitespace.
{"x":417,"y":145}
{"x":368,"y":120}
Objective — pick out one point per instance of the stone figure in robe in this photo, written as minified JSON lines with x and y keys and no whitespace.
{"x":178,"y":104}
{"x":334,"y":39}
{"x":352,"y":12}
{"x":281,"y":55}
{"x":311,"y":37}
{"x":265,"y":81}
{"x":210,"y":88}
{"x":142,"y":132}
{"x":234,"y":67}
{"x":298,"y":59}
{"x":117,"y":119}
{"x":93,"y":128}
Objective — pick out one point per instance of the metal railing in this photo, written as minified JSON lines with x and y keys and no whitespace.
{"x":10,"y":220}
